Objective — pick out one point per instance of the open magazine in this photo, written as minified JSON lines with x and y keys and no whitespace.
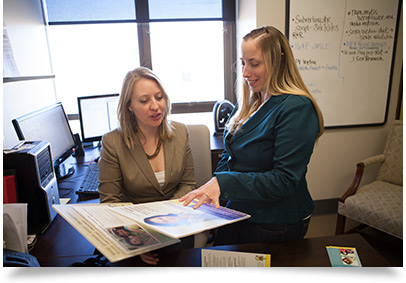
{"x":115,"y":236}
{"x":171,"y":218}
{"x":124,"y":230}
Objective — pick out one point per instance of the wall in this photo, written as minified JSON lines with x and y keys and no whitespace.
{"x":22,"y":97}
{"x":26,"y":31}
{"x":333,"y":163}
{"x":332,"y":166}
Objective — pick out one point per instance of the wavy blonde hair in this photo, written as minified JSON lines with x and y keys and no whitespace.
{"x":282,"y":76}
{"x":128,"y":122}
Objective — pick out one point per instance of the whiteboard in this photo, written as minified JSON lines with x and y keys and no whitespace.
{"x":344,"y":51}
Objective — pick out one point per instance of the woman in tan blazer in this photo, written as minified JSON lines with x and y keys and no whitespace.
{"x":148,"y":158}
{"x":125,"y":174}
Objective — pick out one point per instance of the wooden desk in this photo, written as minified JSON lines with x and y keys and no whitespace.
{"x":68,"y":186}
{"x":217,"y":148}
{"x":303,"y":253}
{"x":62,"y":245}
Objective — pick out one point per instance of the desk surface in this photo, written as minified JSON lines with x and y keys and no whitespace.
{"x":216,"y":143}
{"x":68,"y":186}
{"x":303,"y":253}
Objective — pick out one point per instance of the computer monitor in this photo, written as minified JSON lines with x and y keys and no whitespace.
{"x":97,"y":115}
{"x":49,"y":124}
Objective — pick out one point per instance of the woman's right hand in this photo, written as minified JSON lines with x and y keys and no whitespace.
{"x":208,"y":193}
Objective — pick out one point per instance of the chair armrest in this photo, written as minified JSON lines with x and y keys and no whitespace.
{"x":373,"y":160}
{"x":352,"y":189}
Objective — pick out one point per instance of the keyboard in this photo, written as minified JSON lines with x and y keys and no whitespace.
{"x":89,"y":186}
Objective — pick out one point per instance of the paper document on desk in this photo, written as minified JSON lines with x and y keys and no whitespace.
{"x":170,"y":217}
{"x":115,"y":236}
{"x":220,"y":258}
{"x":343,"y":256}
{"x":15,"y":227}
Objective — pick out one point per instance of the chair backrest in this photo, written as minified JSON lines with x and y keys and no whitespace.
{"x":392,"y":168}
{"x":200,"y":147}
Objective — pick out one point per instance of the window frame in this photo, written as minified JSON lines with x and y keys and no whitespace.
{"x":143,"y":31}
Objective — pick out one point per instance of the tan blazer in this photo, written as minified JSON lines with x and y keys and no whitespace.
{"x":126,"y":175}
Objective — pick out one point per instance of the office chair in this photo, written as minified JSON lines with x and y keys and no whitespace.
{"x":378,"y":204}
{"x":200,"y":147}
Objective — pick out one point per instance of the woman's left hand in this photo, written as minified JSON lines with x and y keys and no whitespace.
{"x":208,"y":193}
{"x":150,"y":258}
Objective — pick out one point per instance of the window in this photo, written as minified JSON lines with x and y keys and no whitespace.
{"x":95,"y":43}
{"x":91,"y":59}
{"x":190,"y":68}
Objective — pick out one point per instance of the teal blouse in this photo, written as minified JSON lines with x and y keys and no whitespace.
{"x":263,"y":168}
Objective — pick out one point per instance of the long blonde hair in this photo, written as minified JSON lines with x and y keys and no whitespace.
{"x":128,"y":122}
{"x":282,"y":76}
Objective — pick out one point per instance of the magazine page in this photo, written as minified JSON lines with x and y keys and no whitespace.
{"x":115,"y":236}
{"x":175,"y":220}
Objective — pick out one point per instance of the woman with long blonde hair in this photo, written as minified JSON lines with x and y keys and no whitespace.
{"x":147,"y":158}
{"x":268,"y":141}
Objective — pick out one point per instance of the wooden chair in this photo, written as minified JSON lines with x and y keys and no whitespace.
{"x":378,"y":204}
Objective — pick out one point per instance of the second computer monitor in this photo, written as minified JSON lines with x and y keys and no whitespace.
{"x":97,"y":115}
